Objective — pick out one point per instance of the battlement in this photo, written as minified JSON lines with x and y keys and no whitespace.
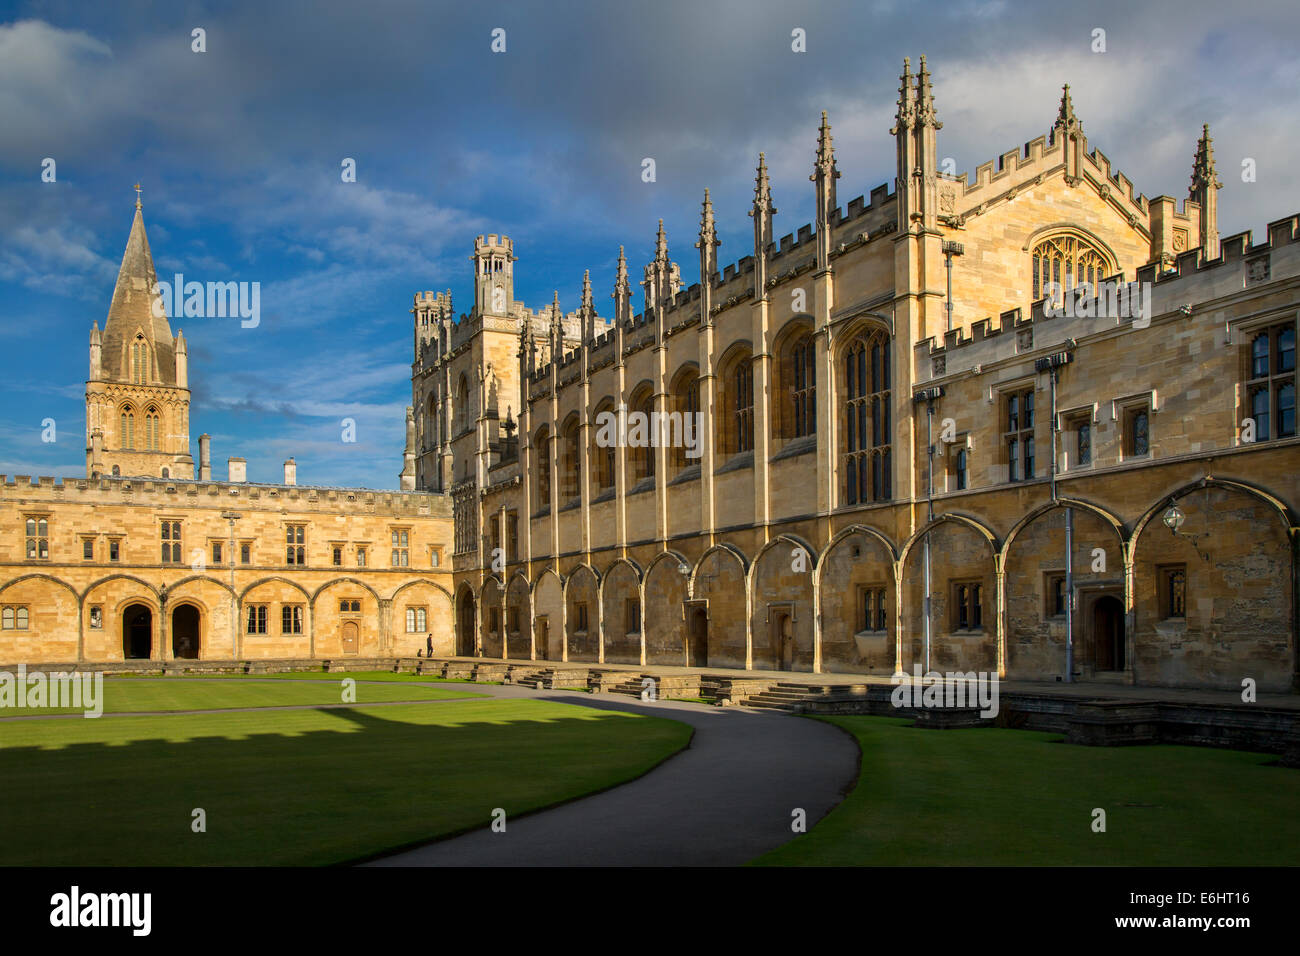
{"x":157,"y":492}
{"x":495,"y":243}
{"x":1017,"y":165}
{"x":1191,"y":280}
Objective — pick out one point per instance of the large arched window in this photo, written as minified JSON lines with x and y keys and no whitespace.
{"x":433,"y":427}
{"x":641,"y":454}
{"x":571,"y":462}
{"x":603,"y":457}
{"x":461,"y":410}
{"x":868,"y":422}
{"x":126,"y":428}
{"x":686,"y":403}
{"x":542,"y":477}
{"x":151,"y":429}
{"x":795,"y":403}
{"x":734,"y":421}
{"x":1067,"y":261}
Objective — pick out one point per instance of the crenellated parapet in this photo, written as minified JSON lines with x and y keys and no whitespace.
{"x":1176,"y":292}
{"x":219,"y":495}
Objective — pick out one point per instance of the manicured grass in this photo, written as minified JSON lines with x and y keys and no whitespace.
{"x":302,"y":786}
{"x":124,"y":695}
{"x":992,"y":797}
{"x":384,"y":676}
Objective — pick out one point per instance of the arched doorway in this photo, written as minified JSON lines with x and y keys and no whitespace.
{"x":1108,"y":633}
{"x":185,"y":632}
{"x":137,"y":632}
{"x":465,"y":630}
{"x":697,"y":638}
{"x":350,"y":637}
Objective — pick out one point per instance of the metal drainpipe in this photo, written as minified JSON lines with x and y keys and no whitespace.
{"x":1069,"y":548}
{"x":929,"y":516}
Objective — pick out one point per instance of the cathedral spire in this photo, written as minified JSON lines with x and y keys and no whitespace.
{"x":661,"y":245}
{"x":132,"y":316}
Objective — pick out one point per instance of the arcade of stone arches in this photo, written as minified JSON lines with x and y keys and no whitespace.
{"x":1205,"y":605}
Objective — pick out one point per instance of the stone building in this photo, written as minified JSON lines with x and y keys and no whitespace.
{"x":908,"y":408}
{"x":141,"y":559}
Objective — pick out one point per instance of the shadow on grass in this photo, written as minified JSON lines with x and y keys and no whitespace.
{"x":302,"y":787}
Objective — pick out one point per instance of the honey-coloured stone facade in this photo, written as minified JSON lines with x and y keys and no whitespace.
{"x":889,"y":474}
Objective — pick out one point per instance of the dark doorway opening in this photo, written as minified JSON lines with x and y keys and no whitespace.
{"x":783,"y":641}
{"x":697,"y":638}
{"x":185,"y":632}
{"x":465,"y":632}
{"x":137,"y":632}
{"x":1108,"y":633}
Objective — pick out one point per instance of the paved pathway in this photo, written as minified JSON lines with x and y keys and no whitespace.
{"x":722,"y":801}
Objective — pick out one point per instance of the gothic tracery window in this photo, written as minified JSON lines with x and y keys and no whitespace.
{"x":151,"y":422}
{"x":868,"y":424}
{"x":1067,"y":261}
{"x":126,"y":433}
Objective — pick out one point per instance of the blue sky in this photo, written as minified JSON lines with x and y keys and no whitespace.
{"x":239,"y":151}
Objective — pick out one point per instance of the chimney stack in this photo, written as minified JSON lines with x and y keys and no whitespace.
{"x":290,"y":472}
{"x":238,"y":469}
{"x":205,"y":457}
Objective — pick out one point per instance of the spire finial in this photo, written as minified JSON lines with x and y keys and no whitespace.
{"x":137,"y":195}
{"x":1065,"y":116}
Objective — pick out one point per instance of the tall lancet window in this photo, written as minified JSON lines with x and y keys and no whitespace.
{"x":868,"y":428}
{"x":140,"y":361}
{"x":126,"y":431}
{"x":151,"y":420}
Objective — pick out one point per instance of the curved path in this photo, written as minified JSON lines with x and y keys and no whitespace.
{"x":722,"y":801}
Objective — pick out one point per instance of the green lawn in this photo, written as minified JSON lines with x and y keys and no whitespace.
{"x":992,"y":796}
{"x":384,"y":676}
{"x":122,"y":695}
{"x":301,"y":786}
